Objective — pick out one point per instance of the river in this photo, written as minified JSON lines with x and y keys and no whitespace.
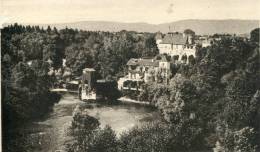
{"x":50,"y":133}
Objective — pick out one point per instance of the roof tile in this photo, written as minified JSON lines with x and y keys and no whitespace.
{"x":175,"y":38}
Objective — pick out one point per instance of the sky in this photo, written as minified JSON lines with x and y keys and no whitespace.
{"x":149,"y":11}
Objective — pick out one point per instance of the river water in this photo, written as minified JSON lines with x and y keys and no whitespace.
{"x":49,"y":134}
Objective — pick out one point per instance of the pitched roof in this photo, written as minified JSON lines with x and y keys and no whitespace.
{"x":143,"y":62}
{"x":158,"y":36}
{"x":175,"y":38}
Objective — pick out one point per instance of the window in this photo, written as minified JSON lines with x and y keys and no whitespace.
{"x":176,"y":57}
{"x":133,"y":67}
{"x":86,"y":81}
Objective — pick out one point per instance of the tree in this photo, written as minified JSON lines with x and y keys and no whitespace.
{"x":150,"y":48}
{"x":104,"y":140}
{"x":184,"y":58}
{"x":83,"y":127}
{"x":238,"y":110}
{"x":54,"y":50}
{"x":49,"y":29}
{"x":242,"y":140}
{"x":175,"y":57}
{"x":191,"y":60}
{"x":21,"y":55}
{"x":55,"y":30}
{"x":183,"y":98}
{"x":245,"y":140}
{"x":254,"y":35}
{"x":147,"y":138}
{"x":189,"y":32}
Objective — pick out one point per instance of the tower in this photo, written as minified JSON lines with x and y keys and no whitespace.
{"x":158,"y":38}
{"x":88,"y":78}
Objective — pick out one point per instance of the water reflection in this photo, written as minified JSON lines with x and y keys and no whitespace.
{"x":124,"y":116}
{"x":51,"y":133}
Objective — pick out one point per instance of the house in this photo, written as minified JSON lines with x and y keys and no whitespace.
{"x":176,"y":44}
{"x":205,"y":41}
{"x":144,"y":70}
{"x":137,"y":68}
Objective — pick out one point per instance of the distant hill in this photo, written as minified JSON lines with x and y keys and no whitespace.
{"x":213,"y":26}
{"x":109,"y":26}
{"x":199,"y":26}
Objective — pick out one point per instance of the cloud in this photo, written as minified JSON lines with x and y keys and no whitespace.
{"x":170,"y":9}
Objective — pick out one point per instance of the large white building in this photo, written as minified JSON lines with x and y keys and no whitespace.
{"x":176,"y":44}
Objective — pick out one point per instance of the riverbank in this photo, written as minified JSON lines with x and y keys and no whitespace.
{"x":24,"y":134}
{"x":128,"y":100}
{"x":51,"y":132}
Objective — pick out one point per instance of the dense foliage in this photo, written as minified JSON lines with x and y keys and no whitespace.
{"x":88,"y":136}
{"x":106,"y":52}
{"x":218,"y":96}
{"x":212,"y":102}
{"x":32,"y":57}
{"x":32,"y":62}
{"x":255,"y":35}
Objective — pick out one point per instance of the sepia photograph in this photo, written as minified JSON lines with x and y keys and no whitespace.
{"x":130,"y":75}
